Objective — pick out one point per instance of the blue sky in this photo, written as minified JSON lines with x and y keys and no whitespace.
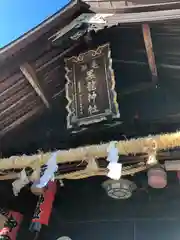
{"x":19,"y":16}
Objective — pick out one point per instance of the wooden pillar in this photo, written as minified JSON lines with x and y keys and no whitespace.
{"x":149,"y":50}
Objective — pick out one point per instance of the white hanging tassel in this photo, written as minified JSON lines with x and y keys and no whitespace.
{"x":115,"y":168}
{"x":20,"y":183}
{"x":35,"y":175}
{"x":37,"y":169}
{"x":61,"y":183}
{"x":48,"y":175}
{"x":151,"y":149}
{"x":92,"y":165}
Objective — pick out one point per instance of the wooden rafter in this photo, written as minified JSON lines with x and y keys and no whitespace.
{"x":32,"y":78}
{"x":20,"y":120}
{"x":149,"y":50}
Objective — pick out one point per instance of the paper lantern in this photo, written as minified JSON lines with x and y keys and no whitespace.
{"x":157,"y":177}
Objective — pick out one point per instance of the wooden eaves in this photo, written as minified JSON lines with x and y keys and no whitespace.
{"x":22,"y":92}
{"x":32,"y":78}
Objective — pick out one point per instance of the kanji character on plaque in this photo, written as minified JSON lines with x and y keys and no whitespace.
{"x":90,"y":75}
{"x":92,"y":109}
{"x":92,"y":96}
{"x":91,"y":86}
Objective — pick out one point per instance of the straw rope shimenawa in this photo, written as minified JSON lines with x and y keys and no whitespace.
{"x":81,"y":174}
{"x":126,"y":147}
{"x":129,"y":170}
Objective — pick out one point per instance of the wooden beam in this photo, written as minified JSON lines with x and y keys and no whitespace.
{"x":20,"y":120}
{"x":98,"y":21}
{"x":137,"y":88}
{"x":32,"y":78}
{"x":56,"y":58}
{"x":149,"y":50}
{"x":131,"y":6}
{"x":18,"y":103}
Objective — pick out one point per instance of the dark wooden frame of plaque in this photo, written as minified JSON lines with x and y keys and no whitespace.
{"x":113,"y":111}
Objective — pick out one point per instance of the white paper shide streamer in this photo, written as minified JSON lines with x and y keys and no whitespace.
{"x":48,"y":175}
{"x":115,"y":168}
{"x":21,"y":182}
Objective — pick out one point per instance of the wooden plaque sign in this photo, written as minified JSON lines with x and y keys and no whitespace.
{"x":90,"y":88}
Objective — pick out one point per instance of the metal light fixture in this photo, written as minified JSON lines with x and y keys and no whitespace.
{"x":120,"y":189}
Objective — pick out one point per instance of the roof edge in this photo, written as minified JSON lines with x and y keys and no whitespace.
{"x":38,"y":30}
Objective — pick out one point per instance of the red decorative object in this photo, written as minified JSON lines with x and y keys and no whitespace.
{"x":178,"y":175}
{"x":157,"y":177}
{"x":44,"y":205}
{"x":11,"y":227}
